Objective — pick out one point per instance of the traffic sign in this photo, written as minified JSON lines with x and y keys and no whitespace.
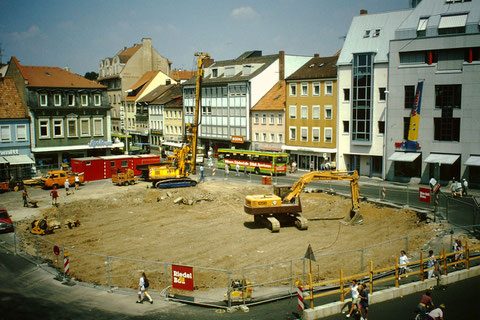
{"x":56,"y":250}
{"x":424,"y":194}
{"x":477,"y":200}
{"x":309,"y":254}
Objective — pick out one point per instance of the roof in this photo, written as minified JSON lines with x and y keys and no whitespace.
{"x":141,"y":85}
{"x":316,"y":68}
{"x":172,"y":97}
{"x":127,"y":53}
{"x":178,"y":75}
{"x":274,"y":99}
{"x":11,"y":106}
{"x":55,"y":77}
{"x":155,"y":94}
{"x":357,"y":41}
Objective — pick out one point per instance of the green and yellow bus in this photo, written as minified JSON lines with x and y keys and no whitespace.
{"x":259,"y":162}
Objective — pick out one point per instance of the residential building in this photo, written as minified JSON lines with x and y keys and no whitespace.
{"x":15,"y":154}
{"x":311,"y":113}
{"x":120,"y":72}
{"x":69,"y":115}
{"x":181,"y":76}
{"x":172,"y":102}
{"x":439,"y":44}
{"x":267,"y":118}
{"x":230,"y":89}
{"x":362,"y":83}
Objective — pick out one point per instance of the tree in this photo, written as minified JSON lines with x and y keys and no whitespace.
{"x":91,"y":75}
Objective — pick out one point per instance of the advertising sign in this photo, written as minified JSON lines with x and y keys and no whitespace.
{"x":237,"y":139}
{"x":424,"y":194}
{"x":182,"y":277}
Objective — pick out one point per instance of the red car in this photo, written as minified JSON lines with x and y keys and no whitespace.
{"x":6,"y":224}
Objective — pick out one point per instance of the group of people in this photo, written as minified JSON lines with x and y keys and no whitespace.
{"x":323,"y":166}
{"x":426,"y":307}
{"x":359,"y":300}
{"x":459,"y":189}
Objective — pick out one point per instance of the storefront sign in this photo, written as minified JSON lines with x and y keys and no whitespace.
{"x":99,"y":143}
{"x":157,"y":132}
{"x":11,"y":152}
{"x":182,"y":277}
{"x":237,"y":139}
{"x":424,"y":194}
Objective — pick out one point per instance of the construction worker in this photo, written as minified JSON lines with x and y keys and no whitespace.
{"x":54,"y":194}
{"x":25,"y":197}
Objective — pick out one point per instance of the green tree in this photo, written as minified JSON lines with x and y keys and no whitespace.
{"x":91,"y":75}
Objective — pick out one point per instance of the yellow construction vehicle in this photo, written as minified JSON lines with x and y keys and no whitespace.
{"x":284,"y":203}
{"x":176,"y":173}
{"x":240,"y":291}
{"x":124,"y":178}
{"x":41,"y":227}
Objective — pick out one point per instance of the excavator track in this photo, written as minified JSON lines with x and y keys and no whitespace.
{"x":273,"y":224}
{"x":175,"y":183}
{"x":301,"y":222}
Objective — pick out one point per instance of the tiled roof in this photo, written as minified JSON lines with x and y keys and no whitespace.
{"x":274,"y":99}
{"x":55,"y":77}
{"x":316,"y":68}
{"x":155,"y":94}
{"x":11,"y":106}
{"x":127,"y":53}
{"x":171,"y":97}
{"x":141,"y":85}
{"x":178,"y":75}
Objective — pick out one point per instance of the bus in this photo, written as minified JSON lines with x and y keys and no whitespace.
{"x":259,"y":162}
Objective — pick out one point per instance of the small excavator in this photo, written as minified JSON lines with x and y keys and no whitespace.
{"x":285,"y":204}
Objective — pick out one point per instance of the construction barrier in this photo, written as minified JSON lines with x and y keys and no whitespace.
{"x":301,"y":306}
{"x":266,"y":180}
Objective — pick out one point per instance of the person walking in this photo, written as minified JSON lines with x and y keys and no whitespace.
{"x":354,"y":290}
{"x":363,"y":296}
{"x":202,"y":176}
{"x":458,"y":249}
{"x":311,"y":165}
{"x":54,"y":195}
{"x":227,"y":170}
{"x":432,"y":263}
{"x":426,"y":303}
{"x":464,"y":187}
{"x":67,"y":187}
{"x":77,"y":182}
{"x":294,"y":166}
{"x":245,"y":171}
{"x":25,"y":197}
{"x":237,"y":168}
{"x":143,"y":288}
{"x":403,"y":261}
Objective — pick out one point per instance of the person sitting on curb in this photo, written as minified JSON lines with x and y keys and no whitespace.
{"x":436,"y":314}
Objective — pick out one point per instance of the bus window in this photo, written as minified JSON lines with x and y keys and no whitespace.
{"x":281,"y":160}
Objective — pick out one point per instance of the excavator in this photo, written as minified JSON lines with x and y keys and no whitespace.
{"x":284,"y":203}
{"x":177,"y":172}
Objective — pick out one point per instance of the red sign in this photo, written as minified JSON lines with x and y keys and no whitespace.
{"x":182,"y":277}
{"x":56,"y":250}
{"x":424,"y":194}
{"x":237,"y":139}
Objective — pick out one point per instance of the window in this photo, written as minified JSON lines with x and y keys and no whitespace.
{"x":315,"y":112}
{"x":21,"y":132}
{"x":293,"y":133}
{"x":44,"y":129}
{"x":272,"y":118}
{"x":328,"y":88}
{"x":316,"y":134}
{"x":361,"y":97}
{"x":366,"y":34}
{"x":280,"y":137}
{"x":293,"y":89}
{"x":422,"y":27}
{"x":406,"y":127}
{"x":124,"y":163}
{"x":316,"y":89}
{"x":5,"y":132}
{"x":304,"y":89}
{"x":346,"y":94}
{"x":304,"y":134}
{"x":229,"y":71}
{"x":58,"y":128}
{"x":376,"y":164}
{"x":381,"y":93}
{"x":376,"y":33}
{"x":293,"y":112}
{"x":72,"y":127}
{"x":257,"y":136}
{"x":381,"y":127}
{"x":446,"y":129}
{"x":43,"y":100}
{"x":346,"y":126}
{"x":409,"y":96}
{"x":97,"y":99}
{"x":98,"y":127}
{"x":214,"y":73}
{"x":264,"y":119}
{"x":272,"y":137}
{"x":452,"y":24}
{"x":57,"y":100}
{"x":84,"y":100}
{"x":264,"y":136}
{"x":280,"y":119}
{"x":71,"y":100}
{"x":448,"y":96}
{"x":256,"y":117}
{"x":303,"y":112}
{"x":84,"y":127}
{"x":328,"y":135}
{"x":328,"y":112}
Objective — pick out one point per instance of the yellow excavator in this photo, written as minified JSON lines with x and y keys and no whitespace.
{"x":177,"y":172}
{"x":284,"y":203}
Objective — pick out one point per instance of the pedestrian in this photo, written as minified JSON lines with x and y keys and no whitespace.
{"x":245,"y":171}
{"x":294,"y":166}
{"x":54,"y":195}
{"x":458,"y":248}
{"x":432,"y":264}
{"x":25,"y":197}
{"x":202,"y":177}
{"x":464,"y":187}
{"x":354,"y":290}
{"x":327,"y":165}
{"x":67,"y":187}
{"x":426,"y":303}
{"x":227,"y":170}
{"x":322,"y":166}
{"x":143,"y":288}
{"x":237,"y":168}
{"x":436,"y":314}
{"x":311,"y":165}
{"x":403,"y":261}
{"x":77,"y":182}
{"x":363,"y":296}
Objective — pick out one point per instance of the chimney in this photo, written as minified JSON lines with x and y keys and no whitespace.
{"x":208,"y":62}
{"x":363,"y":11}
{"x":316,"y":55}
{"x":67,"y":69}
{"x":281,"y":65}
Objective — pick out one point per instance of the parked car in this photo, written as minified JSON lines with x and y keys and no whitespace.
{"x":6,"y":224}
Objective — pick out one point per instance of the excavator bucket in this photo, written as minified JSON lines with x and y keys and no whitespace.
{"x":354,"y":218}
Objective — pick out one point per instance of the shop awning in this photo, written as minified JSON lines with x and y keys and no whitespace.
{"x":3,"y":161}
{"x":442,"y":158}
{"x":473,"y":161}
{"x":20,"y":159}
{"x":404,"y":156}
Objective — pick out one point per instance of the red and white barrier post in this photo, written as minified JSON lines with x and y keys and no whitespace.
{"x":301,"y":305}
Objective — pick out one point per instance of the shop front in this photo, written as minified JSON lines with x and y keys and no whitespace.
{"x":311,"y":158}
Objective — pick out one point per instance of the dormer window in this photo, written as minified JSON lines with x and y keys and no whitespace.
{"x":43,"y":100}
{"x":376,"y":33}
{"x":452,"y":24}
{"x":247,"y":70}
{"x":422,"y":27}
{"x":84,"y":100}
{"x":229,"y":71}
{"x":214,"y":73}
{"x":366,"y":34}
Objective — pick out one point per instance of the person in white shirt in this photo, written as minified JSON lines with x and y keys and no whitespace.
{"x":354,"y":290}
{"x":403,"y":261}
{"x":436,"y":314}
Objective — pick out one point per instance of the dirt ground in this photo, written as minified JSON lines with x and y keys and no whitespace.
{"x":214,"y":231}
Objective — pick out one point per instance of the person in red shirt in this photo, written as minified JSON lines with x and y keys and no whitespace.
{"x":54,"y":194}
{"x":426,"y":303}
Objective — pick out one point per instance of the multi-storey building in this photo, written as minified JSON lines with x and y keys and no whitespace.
{"x":311,"y":113}
{"x":229,"y":89}
{"x":70,"y":115}
{"x":172,"y":102}
{"x":362,"y":83}
{"x":123,"y":71}
{"x":439,"y":44}
{"x":268,"y":125}
{"x":15,"y":154}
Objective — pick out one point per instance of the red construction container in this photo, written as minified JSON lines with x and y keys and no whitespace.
{"x":92,"y":168}
{"x":111,"y":164}
{"x":143,"y":159}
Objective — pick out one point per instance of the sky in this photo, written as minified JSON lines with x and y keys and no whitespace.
{"x":78,"y":34}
